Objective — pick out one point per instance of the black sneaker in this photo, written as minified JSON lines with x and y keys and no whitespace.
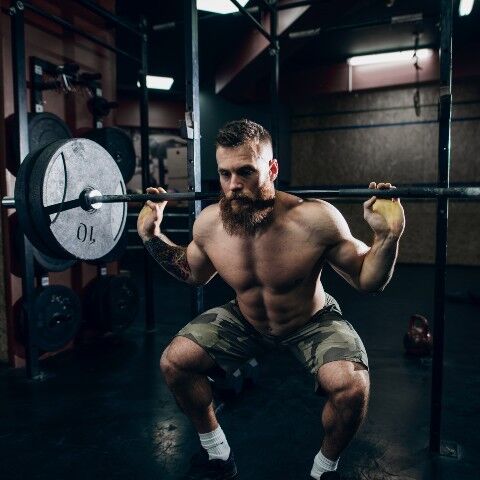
{"x":201,"y":468}
{"x":328,"y":476}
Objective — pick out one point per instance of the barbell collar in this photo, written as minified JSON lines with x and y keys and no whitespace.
{"x":8,"y":202}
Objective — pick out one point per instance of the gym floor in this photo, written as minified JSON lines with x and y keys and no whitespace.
{"x":103,"y":410}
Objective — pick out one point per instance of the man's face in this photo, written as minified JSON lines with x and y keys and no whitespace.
{"x":246,"y":174}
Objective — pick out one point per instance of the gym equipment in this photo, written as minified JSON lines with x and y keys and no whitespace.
{"x":119,"y":145}
{"x":70,"y":197}
{"x":44,"y":261}
{"x":116,"y":253}
{"x":43,"y":128}
{"x":100,"y":106}
{"x":56,"y":318}
{"x":57,"y":175}
{"x":111,"y":303}
{"x":418,"y":339}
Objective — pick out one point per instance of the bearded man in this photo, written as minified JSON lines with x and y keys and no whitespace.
{"x":270,"y":247}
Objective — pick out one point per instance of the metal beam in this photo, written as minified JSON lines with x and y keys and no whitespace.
{"x":255,"y":22}
{"x":444,"y":146}
{"x":78,"y":31}
{"x":109,"y":16}
{"x":192,"y":124}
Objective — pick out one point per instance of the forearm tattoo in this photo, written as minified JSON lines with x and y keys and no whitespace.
{"x":173,"y":259}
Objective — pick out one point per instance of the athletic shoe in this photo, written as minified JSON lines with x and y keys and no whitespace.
{"x":201,"y":468}
{"x":328,"y":476}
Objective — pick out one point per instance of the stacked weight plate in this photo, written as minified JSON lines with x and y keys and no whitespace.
{"x":51,"y":180}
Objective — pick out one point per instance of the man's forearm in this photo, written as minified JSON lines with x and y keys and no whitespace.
{"x":378,"y":264}
{"x":172,"y":258}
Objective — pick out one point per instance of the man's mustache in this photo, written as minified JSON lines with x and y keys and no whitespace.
{"x":246,"y":200}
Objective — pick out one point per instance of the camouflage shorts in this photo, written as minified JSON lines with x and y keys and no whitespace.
{"x":230,"y":340}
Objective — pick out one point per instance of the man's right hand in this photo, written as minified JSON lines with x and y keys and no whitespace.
{"x":151,"y":216}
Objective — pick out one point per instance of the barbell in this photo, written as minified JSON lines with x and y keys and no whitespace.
{"x":71,"y":198}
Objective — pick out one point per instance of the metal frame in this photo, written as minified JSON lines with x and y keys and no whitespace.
{"x":21,"y":126}
{"x":78,"y":31}
{"x":444,"y":150}
{"x":16,"y":12}
{"x":254,"y":21}
{"x":444,"y":147}
{"x":192,"y":124}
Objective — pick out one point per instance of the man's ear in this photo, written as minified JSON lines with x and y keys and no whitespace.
{"x":273,"y":169}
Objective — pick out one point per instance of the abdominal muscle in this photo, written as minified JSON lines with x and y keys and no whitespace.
{"x":280,"y":314}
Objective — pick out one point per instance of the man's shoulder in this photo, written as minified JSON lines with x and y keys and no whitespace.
{"x":310,"y":209}
{"x":207,"y":218}
{"x":209,"y":212}
{"x":319,"y":217}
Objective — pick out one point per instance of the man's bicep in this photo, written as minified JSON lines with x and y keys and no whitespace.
{"x":202,"y":269}
{"x":345,"y":253}
{"x":346,"y":257}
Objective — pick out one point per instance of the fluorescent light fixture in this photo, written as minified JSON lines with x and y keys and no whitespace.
{"x":158,"y":83}
{"x":465,"y":7}
{"x":390,"y":57}
{"x":219,"y":6}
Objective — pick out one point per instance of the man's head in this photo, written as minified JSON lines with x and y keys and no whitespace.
{"x":247,"y":171}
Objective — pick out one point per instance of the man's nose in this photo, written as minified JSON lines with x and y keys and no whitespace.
{"x":235,"y":183}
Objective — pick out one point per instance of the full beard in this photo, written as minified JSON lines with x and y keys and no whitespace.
{"x":249,"y":216}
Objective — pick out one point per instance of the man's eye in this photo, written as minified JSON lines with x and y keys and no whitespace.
{"x":224,"y":174}
{"x":245,"y":173}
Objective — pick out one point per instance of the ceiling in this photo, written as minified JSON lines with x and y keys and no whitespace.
{"x":349,"y":27}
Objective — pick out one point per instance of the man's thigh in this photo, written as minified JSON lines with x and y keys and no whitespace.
{"x":327,"y":338}
{"x":225,"y":335}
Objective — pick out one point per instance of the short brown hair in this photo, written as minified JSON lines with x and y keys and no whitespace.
{"x":236,"y":133}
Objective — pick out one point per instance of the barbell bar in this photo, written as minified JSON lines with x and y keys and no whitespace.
{"x":72,"y":203}
{"x":87,"y":200}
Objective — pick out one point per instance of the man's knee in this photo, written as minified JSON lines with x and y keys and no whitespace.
{"x":346,"y":385}
{"x":183,"y":357}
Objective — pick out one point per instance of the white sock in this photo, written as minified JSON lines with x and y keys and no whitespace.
{"x":215,"y":443}
{"x":322,"y":464}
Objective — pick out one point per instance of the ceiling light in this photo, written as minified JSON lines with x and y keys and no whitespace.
{"x":219,"y":6}
{"x":465,"y":7}
{"x":158,"y":83}
{"x":390,"y":57}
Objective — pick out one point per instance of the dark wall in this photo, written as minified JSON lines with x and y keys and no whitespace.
{"x":216,"y":111}
{"x":355,"y":138}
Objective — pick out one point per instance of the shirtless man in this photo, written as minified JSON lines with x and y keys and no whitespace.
{"x":270,"y":247}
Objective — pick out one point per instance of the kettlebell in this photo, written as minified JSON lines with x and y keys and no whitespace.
{"x":418,"y":339}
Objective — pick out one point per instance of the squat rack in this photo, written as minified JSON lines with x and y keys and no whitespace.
{"x":16,"y":12}
{"x":444,"y":154}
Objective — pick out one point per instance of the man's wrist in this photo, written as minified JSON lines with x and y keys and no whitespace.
{"x":146,"y":238}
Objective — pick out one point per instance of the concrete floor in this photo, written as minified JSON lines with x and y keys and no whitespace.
{"x":104,"y":411}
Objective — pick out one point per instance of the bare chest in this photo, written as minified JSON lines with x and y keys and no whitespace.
{"x":278,"y":259}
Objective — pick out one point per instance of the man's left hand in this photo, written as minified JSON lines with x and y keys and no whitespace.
{"x":385,"y":216}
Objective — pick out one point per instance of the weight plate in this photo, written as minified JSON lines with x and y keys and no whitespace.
{"x":122,"y":303}
{"x":57,"y":317}
{"x":43,"y":128}
{"x":22,"y":205}
{"x":44,"y":261}
{"x":116,"y":253}
{"x":92,"y":301}
{"x":61,"y":173}
{"x":112,"y":302}
{"x":119,"y":145}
